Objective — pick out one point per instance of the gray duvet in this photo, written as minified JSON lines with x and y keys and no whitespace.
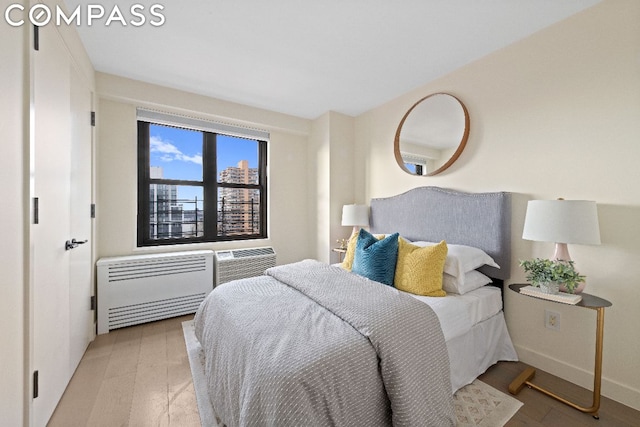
{"x":313,"y":345}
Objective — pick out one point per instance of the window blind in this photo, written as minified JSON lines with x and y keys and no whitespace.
{"x":200,"y":124}
{"x":414,"y":159}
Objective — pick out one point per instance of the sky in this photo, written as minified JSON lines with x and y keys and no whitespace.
{"x":179,"y":153}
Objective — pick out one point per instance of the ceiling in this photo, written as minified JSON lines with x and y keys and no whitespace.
{"x":305,"y":58}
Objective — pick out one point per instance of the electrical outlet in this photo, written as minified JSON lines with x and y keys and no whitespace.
{"x":552,"y":320}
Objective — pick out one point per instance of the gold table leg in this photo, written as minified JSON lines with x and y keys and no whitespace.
{"x":527,"y":375}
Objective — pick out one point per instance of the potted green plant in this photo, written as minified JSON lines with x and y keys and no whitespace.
{"x":549,"y":275}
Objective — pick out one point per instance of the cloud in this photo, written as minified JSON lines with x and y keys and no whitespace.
{"x":169,"y":152}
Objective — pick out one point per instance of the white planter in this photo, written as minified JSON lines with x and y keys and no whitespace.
{"x":550,"y":287}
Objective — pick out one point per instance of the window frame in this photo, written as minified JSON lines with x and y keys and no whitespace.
{"x":210,"y":187}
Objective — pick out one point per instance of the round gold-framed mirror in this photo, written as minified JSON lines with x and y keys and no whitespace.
{"x":431,"y":135}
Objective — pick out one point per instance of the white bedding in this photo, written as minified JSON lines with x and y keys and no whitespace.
{"x":459,"y":313}
{"x":475,"y":332}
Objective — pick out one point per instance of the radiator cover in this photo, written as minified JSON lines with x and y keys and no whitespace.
{"x":143,"y":288}
{"x":243,"y":263}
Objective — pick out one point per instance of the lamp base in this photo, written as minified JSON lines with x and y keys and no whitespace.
{"x":577,"y":290}
{"x":562,"y":252}
{"x":355,"y":232}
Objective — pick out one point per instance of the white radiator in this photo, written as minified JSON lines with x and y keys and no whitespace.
{"x":242,"y":263}
{"x":143,"y":288}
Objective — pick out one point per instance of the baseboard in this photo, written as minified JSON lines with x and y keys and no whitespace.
{"x":611,"y":389}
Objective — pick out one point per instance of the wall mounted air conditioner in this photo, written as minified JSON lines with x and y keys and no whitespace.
{"x":143,"y":288}
{"x":242,"y":263}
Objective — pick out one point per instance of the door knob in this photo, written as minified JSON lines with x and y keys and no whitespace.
{"x":73,"y":243}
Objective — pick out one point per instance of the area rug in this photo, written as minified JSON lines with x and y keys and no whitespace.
{"x":476,"y":404}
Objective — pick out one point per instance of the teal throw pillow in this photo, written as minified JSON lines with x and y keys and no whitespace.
{"x":376,"y":259}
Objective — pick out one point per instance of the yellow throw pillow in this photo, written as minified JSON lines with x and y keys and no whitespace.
{"x":419,"y":269}
{"x":347,"y":262}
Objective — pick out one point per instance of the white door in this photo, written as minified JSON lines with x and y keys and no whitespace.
{"x":60,"y":330}
{"x":80,"y":266}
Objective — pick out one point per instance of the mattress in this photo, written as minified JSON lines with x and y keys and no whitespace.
{"x":458,"y":314}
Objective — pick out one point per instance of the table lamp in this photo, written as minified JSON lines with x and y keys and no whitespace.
{"x":355,"y":216}
{"x":562,"y":222}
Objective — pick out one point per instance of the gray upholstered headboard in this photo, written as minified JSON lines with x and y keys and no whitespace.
{"x":482,"y":220}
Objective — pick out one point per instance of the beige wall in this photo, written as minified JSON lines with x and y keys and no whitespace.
{"x":555,"y":115}
{"x":319,"y":159}
{"x":331,"y":159}
{"x":342,"y":175}
{"x":117,"y":166}
{"x":13,"y":45}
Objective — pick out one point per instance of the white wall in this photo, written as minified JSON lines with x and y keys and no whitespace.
{"x":13,"y":44}
{"x":117,"y":166}
{"x":555,"y":115}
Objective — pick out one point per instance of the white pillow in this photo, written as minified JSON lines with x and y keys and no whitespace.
{"x":462,"y":259}
{"x":468,"y":282}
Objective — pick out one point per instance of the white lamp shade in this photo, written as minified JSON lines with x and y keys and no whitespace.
{"x":355,"y":215}
{"x":562,"y":221}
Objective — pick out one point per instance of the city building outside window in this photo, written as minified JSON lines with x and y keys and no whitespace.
{"x":199,"y":185}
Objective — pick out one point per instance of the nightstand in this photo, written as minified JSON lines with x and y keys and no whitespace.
{"x":341,"y":252}
{"x":588,"y":301}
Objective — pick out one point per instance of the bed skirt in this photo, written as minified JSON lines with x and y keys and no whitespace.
{"x":471,"y":354}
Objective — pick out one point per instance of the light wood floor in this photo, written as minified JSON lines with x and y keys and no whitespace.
{"x":136,"y":376}
{"x":540,"y":410}
{"x":140,"y":376}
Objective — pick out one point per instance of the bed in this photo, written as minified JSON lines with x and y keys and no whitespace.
{"x":474,"y":325}
{"x":313,"y":344}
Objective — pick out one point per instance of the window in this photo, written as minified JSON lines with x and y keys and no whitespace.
{"x":414,"y":168}
{"x":416,"y":164}
{"x":197,"y":183}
